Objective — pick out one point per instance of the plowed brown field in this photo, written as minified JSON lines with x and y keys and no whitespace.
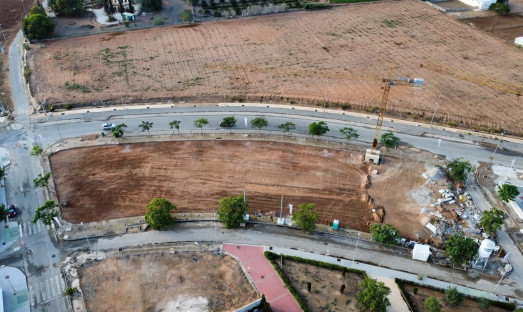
{"x":207,"y":61}
{"x":115,"y":181}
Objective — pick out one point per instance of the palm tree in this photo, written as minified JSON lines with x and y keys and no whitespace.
{"x":175,"y":124}
{"x":146,"y":126}
{"x":199,"y":123}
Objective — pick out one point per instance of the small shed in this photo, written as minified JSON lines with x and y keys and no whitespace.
{"x":421,"y":252}
{"x":519,"y":41}
{"x":128,"y":17}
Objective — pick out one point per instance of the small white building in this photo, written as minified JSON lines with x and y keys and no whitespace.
{"x":479,"y":4}
{"x":519,"y":41}
{"x":421,"y":252}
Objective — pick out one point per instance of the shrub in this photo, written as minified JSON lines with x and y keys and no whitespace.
{"x":500,"y":8}
{"x":70,"y":291}
{"x":415,"y":290}
{"x":27,"y":75}
{"x":187,"y":15}
{"x":69,"y":106}
{"x":432,"y":305}
{"x":111,"y":19}
{"x":342,"y":288}
{"x":158,"y":21}
{"x":484,"y":304}
{"x":420,"y":277}
{"x":453,"y":296}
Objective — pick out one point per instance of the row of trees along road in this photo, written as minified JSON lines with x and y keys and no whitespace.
{"x":316,"y":129}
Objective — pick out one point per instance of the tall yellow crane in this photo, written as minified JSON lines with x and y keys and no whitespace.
{"x":383,"y":107}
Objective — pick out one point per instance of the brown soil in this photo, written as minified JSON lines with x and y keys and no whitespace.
{"x":469,"y":305}
{"x":107,"y":182}
{"x":11,"y":13}
{"x":508,"y":27}
{"x":325,"y":291}
{"x":204,"y":62}
{"x":186,"y":281}
{"x":392,"y":187}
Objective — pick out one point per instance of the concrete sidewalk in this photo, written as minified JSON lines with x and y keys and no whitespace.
{"x":263,"y":276}
{"x":13,"y":283}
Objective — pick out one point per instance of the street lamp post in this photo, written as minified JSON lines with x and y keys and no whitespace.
{"x":86,"y":238}
{"x":7,"y":278}
{"x":436,"y":108}
{"x":355,"y":249}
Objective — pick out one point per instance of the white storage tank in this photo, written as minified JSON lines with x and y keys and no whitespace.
{"x":486,"y":248}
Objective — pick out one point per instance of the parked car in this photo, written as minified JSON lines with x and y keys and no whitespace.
{"x":108,"y":126}
{"x":12,"y":212}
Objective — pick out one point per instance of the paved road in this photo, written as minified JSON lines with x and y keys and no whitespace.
{"x":39,"y":255}
{"x":453,"y":145}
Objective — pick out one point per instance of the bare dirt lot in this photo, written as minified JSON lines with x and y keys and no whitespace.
{"x":508,"y":27}
{"x":302,"y":57}
{"x":108,"y":182}
{"x":11,"y":13}
{"x":187,"y":281}
{"x":325,"y":291}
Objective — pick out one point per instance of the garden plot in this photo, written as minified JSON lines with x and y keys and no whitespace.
{"x":304,"y":57}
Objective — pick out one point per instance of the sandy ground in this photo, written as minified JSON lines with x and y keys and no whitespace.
{"x":110,"y":182}
{"x":468,"y":305}
{"x":336,"y":55}
{"x":186,"y":281}
{"x":392,"y":188}
{"x":325,"y":291}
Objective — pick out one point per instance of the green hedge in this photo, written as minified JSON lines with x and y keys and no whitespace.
{"x":273,"y":259}
{"x":400,"y":282}
{"x":350,"y":1}
{"x":314,"y":6}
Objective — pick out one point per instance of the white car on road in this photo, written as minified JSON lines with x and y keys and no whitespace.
{"x":108,"y":126}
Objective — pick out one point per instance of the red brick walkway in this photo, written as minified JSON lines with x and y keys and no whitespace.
{"x":264,"y":277}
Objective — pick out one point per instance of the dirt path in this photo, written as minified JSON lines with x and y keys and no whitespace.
{"x":392,"y":188}
{"x":187,"y":281}
{"x":108,"y":182}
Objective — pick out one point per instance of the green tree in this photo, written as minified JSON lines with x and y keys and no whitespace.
{"x":228,"y":122}
{"x":460,"y":249}
{"x":259,"y":122}
{"x":3,"y":173}
{"x":507,"y":192}
{"x":492,"y":220}
{"x":500,"y":8}
{"x":158,"y":213}
{"x":232,"y":211}
{"x":389,"y":140}
{"x":349,"y":133}
{"x":453,"y":296}
{"x":37,"y":26}
{"x":287,"y":127}
{"x":146,"y":126}
{"x":518,"y":310}
{"x":37,"y":10}
{"x":305,"y":217}
{"x":46,"y":212}
{"x":432,"y":305}
{"x":68,"y":7}
{"x":37,"y":151}
{"x":264,"y":305}
{"x":186,"y":15}
{"x":199,"y":123}
{"x":458,"y":169}
{"x":4,"y":212}
{"x":131,"y":6}
{"x":175,"y":124}
{"x":120,"y":7}
{"x":42,"y":180}
{"x":318,"y":129}
{"x":384,"y":233}
{"x":151,"y":5}
{"x":372,"y":295}
{"x":117,"y":131}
